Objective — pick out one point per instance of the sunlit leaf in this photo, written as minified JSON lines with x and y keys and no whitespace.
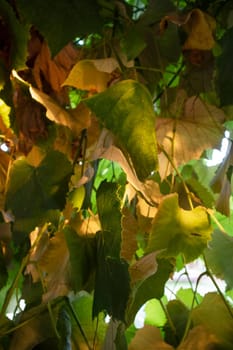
{"x":76,"y":120}
{"x":94,"y":329}
{"x":92,"y":75}
{"x":179,"y":231}
{"x":221,"y":263}
{"x":188,"y":298}
{"x":155,"y":315}
{"x":196,"y":127}
{"x":213,"y":305}
{"x":126,"y":109}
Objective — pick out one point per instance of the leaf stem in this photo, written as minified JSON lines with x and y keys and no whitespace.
{"x":210,"y":275}
{"x":73,"y":313}
{"x":179,"y":175}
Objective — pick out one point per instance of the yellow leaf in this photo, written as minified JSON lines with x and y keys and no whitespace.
{"x":90,"y":75}
{"x":149,"y":338}
{"x":143,"y":268}
{"x":199,"y":28}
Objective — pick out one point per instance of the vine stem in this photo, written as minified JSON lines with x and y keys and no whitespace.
{"x":179,"y":175}
{"x":209,"y":274}
{"x":221,"y":228}
{"x":188,"y":324}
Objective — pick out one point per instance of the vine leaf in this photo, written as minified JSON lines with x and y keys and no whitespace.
{"x":199,"y":338}
{"x":213,"y":305}
{"x":219,"y":263}
{"x":179,"y":231}
{"x":126,"y":109}
{"x":92,"y":75}
{"x":149,"y":337}
{"x":76,"y":120}
{"x":42,"y":187}
{"x":195,"y":127}
{"x":73,"y":20}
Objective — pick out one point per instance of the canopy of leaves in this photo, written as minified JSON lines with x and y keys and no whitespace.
{"x":110,"y":112}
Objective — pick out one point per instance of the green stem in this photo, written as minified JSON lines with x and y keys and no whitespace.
{"x":188,"y":324}
{"x":209,"y":274}
{"x":189,"y":196}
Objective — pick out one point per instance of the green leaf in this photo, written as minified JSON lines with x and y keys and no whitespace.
{"x":3,"y":271}
{"x":33,"y":190}
{"x":225,"y":67}
{"x":219,"y":256}
{"x":187,"y":296}
{"x":215,"y":317}
{"x":155,"y":315}
{"x":201,"y":191}
{"x":108,"y":204}
{"x":94,"y":329}
{"x":152,"y":287}
{"x":126,"y":109}
{"x":176,"y":230}
{"x":111,"y":284}
{"x":82,"y":257}
{"x":61,"y":22}
{"x":15,"y":35}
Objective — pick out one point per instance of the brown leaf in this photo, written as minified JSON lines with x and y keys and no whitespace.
{"x":199,"y":338}
{"x":76,"y":120}
{"x":149,"y":338}
{"x":196,"y":128}
{"x":143,"y":268}
{"x":199,"y":27}
{"x":128,"y":235}
{"x":49,"y":261}
{"x":53,"y":71}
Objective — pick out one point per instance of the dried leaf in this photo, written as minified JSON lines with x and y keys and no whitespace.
{"x":199,"y":338}
{"x":143,"y":268}
{"x":50,"y":262}
{"x":196,"y":129}
{"x":128,"y":235}
{"x":149,"y":338}
{"x":53,"y":71}
{"x":76,"y":120}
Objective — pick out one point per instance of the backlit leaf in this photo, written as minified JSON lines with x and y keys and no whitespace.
{"x":196,"y":127}
{"x":149,"y":338}
{"x":213,"y":305}
{"x":126,"y":109}
{"x":91,"y":75}
{"x":179,"y":231}
{"x":221,"y":263}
